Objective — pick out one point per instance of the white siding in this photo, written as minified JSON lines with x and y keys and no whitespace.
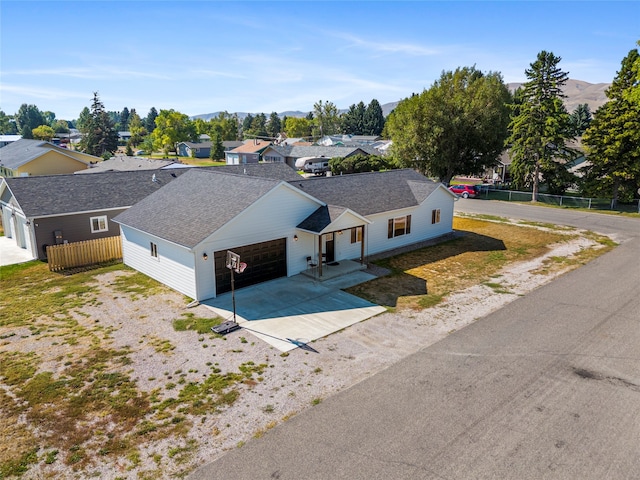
{"x":272,"y":217}
{"x":173,"y":266}
{"x":421,"y":226}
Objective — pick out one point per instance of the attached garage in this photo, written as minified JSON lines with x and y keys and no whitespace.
{"x":265,"y":261}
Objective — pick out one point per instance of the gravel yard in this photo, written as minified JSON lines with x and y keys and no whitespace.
{"x":162,"y":361}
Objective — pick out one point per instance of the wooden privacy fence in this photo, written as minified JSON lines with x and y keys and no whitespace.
{"x":80,"y":254}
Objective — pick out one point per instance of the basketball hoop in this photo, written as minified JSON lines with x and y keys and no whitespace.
{"x":241,"y":267}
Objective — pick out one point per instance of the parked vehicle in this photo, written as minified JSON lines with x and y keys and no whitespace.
{"x":315,"y":165}
{"x":465,"y":191}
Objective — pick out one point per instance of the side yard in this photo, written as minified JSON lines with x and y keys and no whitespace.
{"x":107,"y":374}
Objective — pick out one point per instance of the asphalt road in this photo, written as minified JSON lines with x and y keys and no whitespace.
{"x":546,"y":388}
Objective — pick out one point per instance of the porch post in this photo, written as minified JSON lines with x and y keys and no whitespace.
{"x":362,"y":247}
{"x":320,"y":255}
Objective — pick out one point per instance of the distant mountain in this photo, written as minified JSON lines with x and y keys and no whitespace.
{"x":577,"y":92}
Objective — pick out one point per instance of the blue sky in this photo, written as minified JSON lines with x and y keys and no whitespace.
{"x":207,"y":56}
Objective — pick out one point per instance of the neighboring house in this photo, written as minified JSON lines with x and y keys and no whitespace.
{"x":36,"y":157}
{"x":180,"y":234}
{"x":290,"y":153}
{"x":249,"y":152}
{"x":229,"y":145}
{"x":7,"y":139}
{"x":194,"y":150}
{"x":45,"y":210}
{"x":348,"y":140}
{"x":124,"y":137}
{"x":123,"y":163}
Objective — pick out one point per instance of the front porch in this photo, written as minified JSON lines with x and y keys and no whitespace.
{"x":333,"y":269}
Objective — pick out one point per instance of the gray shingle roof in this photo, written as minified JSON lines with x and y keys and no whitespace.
{"x":321,"y":218}
{"x":299,"y":151}
{"x":123,"y":163}
{"x":59,"y":194}
{"x":370,"y":193}
{"x":198,"y":203}
{"x":22,"y":151}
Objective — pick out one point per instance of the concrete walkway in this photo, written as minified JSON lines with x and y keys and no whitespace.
{"x":11,"y":253}
{"x":298,"y":308}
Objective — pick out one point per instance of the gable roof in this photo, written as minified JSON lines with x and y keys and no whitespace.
{"x":45,"y":195}
{"x":188,"y":210}
{"x":370,"y":193}
{"x":123,"y":163}
{"x":23,"y":151}
{"x":299,"y":151}
{"x":324,"y":216}
{"x":252,"y":146}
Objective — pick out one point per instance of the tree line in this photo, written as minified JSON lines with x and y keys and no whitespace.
{"x":462,"y":124}
{"x":465,"y":121}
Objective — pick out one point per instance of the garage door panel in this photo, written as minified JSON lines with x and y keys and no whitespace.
{"x":265,"y":261}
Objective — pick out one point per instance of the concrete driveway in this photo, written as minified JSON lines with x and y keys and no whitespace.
{"x":298,"y":308}
{"x":10,"y":253}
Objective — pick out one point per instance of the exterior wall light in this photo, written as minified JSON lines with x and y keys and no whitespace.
{"x":295,"y":238}
{"x":205,"y":256}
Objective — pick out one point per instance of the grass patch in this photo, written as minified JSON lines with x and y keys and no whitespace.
{"x":198,"y":324}
{"x":424,"y":277}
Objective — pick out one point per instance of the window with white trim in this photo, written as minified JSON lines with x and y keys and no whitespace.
{"x":399,"y":226}
{"x":435,"y":216}
{"x":154,"y":250}
{"x":356,"y":234}
{"x":99,"y":224}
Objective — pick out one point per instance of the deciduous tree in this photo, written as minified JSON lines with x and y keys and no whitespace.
{"x":172,"y":127}
{"x":458,"y":126}
{"x":327,"y":120}
{"x":29,"y":116}
{"x":298,"y":127}
{"x":43,"y":132}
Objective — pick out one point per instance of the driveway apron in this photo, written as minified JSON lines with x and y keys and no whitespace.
{"x":296,"y":308}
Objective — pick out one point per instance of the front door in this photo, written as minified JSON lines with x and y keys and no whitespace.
{"x":329,"y":248}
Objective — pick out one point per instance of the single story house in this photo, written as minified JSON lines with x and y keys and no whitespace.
{"x":46,"y":210}
{"x":181,"y":234}
{"x":193,"y":149}
{"x":290,"y":153}
{"x":27,"y":157}
{"x":249,"y":152}
{"x":7,"y":139}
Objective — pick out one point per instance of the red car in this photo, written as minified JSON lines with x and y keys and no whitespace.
{"x":465,"y":191}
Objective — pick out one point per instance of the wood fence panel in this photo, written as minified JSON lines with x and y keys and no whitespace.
{"x":80,"y":254}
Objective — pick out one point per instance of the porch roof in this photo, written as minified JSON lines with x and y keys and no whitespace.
{"x":331,"y":217}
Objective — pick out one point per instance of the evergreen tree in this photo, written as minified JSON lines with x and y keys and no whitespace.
{"x":26,"y":132}
{"x":274,"y":125}
{"x":580,"y":119}
{"x":613,"y":137}
{"x":373,"y":119}
{"x":83,"y":118}
{"x":7,"y":124}
{"x":99,"y":136}
{"x":246,"y":124}
{"x":124,"y":120}
{"x":541,"y":128}
{"x":150,"y":121}
{"x":217,"y":148}
{"x":327,"y":121}
{"x":353,"y":120}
